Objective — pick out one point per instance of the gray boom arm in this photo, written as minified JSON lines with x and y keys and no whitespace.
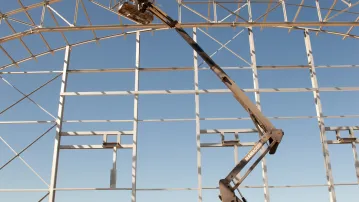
{"x":265,"y":127}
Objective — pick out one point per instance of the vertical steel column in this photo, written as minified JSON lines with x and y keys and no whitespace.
{"x":214,"y":11}
{"x":113,"y":179}
{"x":284,"y":11}
{"x":198,"y":130}
{"x":253,"y":57}
{"x":249,"y":11}
{"x":318,"y":107}
{"x":236,"y":161}
{"x":257,"y":99}
{"x":60,"y":113}
{"x":179,"y":11}
{"x":318,"y":11}
{"x":135,"y":120}
{"x":355,"y":153}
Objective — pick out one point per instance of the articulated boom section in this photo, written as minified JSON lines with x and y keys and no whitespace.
{"x":142,"y":11}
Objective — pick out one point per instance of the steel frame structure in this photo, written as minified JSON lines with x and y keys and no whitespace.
{"x":324,"y":24}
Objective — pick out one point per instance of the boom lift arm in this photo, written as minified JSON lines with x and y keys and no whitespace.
{"x":267,"y":131}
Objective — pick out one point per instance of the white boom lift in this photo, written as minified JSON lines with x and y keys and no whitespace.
{"x":143,"y":12}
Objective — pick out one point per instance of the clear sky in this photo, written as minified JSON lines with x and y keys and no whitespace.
{"x":167,"y":150}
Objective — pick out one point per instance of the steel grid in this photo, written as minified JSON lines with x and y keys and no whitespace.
{"x":213,"y":21}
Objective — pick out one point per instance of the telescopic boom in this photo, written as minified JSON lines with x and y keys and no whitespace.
{"x":142,"y":11}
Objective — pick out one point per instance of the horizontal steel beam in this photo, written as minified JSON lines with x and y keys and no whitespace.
{"x":341,"y":128}
{"x":240,"y":144}
{"x":338,"y":142}
{"x":33,"y":72}
{"x":178,"y":119}
{"x":206,"y":91}
{"x":123,"y":146}
{"x":96,"y":133}
{"x":178,"y":189}
{"x":164,"y":69}
{"x":214,"y":131}
{"x":191,"y":25}
{"x":295,"y":25}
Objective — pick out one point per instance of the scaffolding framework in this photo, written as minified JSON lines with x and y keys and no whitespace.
{"x":249,"y":16}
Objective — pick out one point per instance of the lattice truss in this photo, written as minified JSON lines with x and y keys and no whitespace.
{"x":189,"y":128}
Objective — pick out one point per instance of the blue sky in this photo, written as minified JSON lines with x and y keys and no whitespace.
{"x":167,"y":151}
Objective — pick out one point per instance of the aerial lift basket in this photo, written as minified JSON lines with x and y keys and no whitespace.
{"x":131,"y":12}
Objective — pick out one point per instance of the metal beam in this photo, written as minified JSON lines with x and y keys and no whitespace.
{"x":206,"y":91}
{"x":241,"y":144}
{"x":113,"y":176}
{"x":198,"y":134}
{"x":284,"y":10}
{"x":135,"y":119}
{"x":123,"y":146}
{"x":355,"y":153}
{"x":176,"y":120}
{"x":59,"y":119}
{"x":185,"y":25}
{"x":338,"y":142}
{"x":95,"y":133}
{"x":177,"y":189}
{"x":341,"y":128}
{"x":165,"y":69}
{"x":216,"y":131}
{"x":319,"y":112}
{"x":252,"y":53}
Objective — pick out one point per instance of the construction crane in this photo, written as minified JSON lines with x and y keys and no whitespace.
{"x":143,"y":12}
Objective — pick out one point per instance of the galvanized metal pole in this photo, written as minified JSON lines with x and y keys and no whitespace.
{"x":113,"y":173}
{"x":320,"y":19}
{"x":135,"y":121}
{"x":355,"y":153}
{"x":179,"y":2}
{"x":257,"y":98}
{"x":284,"y":11}
{"x":60,"y":113}
{"x":215,"y":19}
{"x":258,"y":104}
{"x":249,"y":11}
{"x":198,"y":129}
{"x":319,"y":111}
